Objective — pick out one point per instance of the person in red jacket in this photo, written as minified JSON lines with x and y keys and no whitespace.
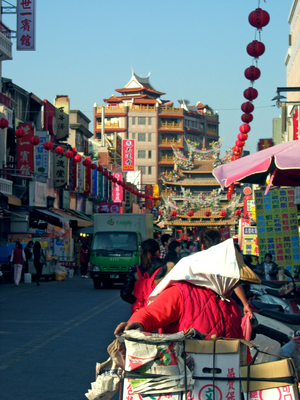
{"x":17,"y":259}
{"x":183,"y":305}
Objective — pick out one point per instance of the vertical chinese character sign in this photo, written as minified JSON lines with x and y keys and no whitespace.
{"x":277,"y":227}
{"x":155,"y":194}
{"x":117,"y":189}
{"x":149,"y":192}
{"x":26,"y":25}
{"x":80,"y":177}
{"x":62,"y":106}
{"x":128,"y":155}
{"x":41,"y":157}
{"x":25,"y":163}
{"x":94,"y":182}
{"x":61,"y":167}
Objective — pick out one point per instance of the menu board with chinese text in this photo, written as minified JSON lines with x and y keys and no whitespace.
{"x":277,"y":227}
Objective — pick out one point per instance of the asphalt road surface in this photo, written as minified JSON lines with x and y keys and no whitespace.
{"x":52,"y":335}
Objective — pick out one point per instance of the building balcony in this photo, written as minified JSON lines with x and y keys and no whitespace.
{"x":166,"y":160}
{"x":170,"y":110}
{"x":5,"y":43}
{"x":108,"y":125}
{"x":170,"y":126}
{"x":212,"y":133}
{"x":142,"y":107}
{"x":6,"y":186}
{"x":111,"y":109}
{"x":6,"y":101}
{"x":170,"y":143}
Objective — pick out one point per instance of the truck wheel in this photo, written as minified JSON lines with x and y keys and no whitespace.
{"x":97,"y":283}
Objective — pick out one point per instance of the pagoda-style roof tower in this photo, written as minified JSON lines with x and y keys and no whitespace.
{"x":139,"y":91}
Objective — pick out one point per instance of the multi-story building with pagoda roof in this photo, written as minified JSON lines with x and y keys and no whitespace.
{"x":138,"y":112}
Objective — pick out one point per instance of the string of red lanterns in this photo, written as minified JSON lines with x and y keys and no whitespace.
{"x":258,"y":19}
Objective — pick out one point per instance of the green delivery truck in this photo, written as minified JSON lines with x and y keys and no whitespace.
{"x":116,"y":245}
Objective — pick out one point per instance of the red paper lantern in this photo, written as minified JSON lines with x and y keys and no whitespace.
{"x":123,"y":184}
{"x":250,"y":93}
{"x":3,"y":123}
{"x":69,"y":154}
{"x":245,"y":128}
{"x":259,"y":18}
{"x":242,"y":136}
{"x":247,"y":107}
{"x":207,"y":213}
{"x":105,"y":173}
{"x":35,"y":140}
{"x":99,"y":168}
{"x":252,"y":73}
{"x":93,"y":166}
{"x":240,"y":143}
{"x":247,"y":118}
{"x":19,"y":133}
{"x":87,"y":162}
{"x":110,"y":177}
{"x":222,"y":213}
{"x":114,"y":180}
{"x":74,"y":151}
{"x":77,"y":158}
{"x":173,"y":213}
{"x":119,"y":182}
{"x":190,"y":213}
{"x":238,"y":213}
{"x":59,"y":150}
{"x":48,"y":146}
{"x":255,"y":49}
{"x":159,"y":212}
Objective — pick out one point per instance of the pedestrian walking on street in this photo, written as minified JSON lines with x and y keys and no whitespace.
{"x":28,"y":254}
{"x":84,"y":259}
{"x":37,"y":250}
{"x":17,"y":259}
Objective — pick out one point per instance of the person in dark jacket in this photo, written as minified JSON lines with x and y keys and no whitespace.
{"x":173,"y":254}
{"x":150,"y":262}
{"x":36,"y":261}
{"x":84,"y":259}
{"x":28,"y":254}
{"x":268,"y":269}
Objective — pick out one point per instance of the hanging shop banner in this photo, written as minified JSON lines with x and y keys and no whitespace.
{"x":128,"y":201}
{"x":3,"y":145}
{"x":277,"y":227}
{"x":41,"y":157}
{"x":87,"y":180}
{"x":80,"y":203}
{"x":61,"y":168}
{"x":225,"y":233}
{"x":62,"y":111}
{"x":296,"y":123}
{"x":117,"y":189}
{"x":26,"y":25}
{"x":264,"y":144}
{"x":148,"y":192}
{"x":242,"y":223}
{"x":25,"y":151}
{"x":154,"y":212}
{"x":80,"y":176}
{"x":94,"y":182}
{"x":24,"y":238}
{"x":128,"y":155}
{"x":155,"y":194}
{"x":66,"y":199}
{"x":250,"y":242}
{"x":100,"y":185}
{"x":72,"y":174}
{"x":110,"y":208}
{"x":105,"y":188}
{"x":62,"y":241}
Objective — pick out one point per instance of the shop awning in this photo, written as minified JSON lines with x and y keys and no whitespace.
{"x":52,"y":214}
{"x":81,"y":215}
{"x":89,"y":230}
{"x":11,"y":199}
{"x":80,"y":221}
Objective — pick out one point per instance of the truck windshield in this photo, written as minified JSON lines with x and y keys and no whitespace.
{"x":115,"y":241}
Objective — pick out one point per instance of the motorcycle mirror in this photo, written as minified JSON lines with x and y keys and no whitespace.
{"x":287,"y":273}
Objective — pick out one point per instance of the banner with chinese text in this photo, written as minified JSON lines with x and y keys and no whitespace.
{"x":110,"y":208}
{"x":61,"y":167}
{"x":128,"y":155}
{"x":80,"y":177}
{"x":277,"y":227}
{"x":155,"y":194}
{"x":62,"y":111}
{"x":94,"y":182}
{"x":41,"y":157}
{"x":148,"y":192}
{"x":250,"y":241}
{"x":117,"y":189}
{"x":25,"y":151}
{"x":26,"y":25}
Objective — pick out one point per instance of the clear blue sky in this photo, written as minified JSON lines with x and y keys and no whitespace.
{"x":193,"y":49}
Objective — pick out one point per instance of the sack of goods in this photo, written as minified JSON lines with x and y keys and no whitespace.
{"x":60,"y":272}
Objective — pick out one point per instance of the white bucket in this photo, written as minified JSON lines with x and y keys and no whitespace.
{"x":27,"y":278}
